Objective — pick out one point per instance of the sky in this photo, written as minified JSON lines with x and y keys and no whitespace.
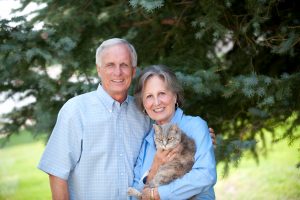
{"x":7,"y":5}
{"x":5,"y":12}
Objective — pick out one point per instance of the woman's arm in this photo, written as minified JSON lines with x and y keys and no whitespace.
{"x":160,"y":158}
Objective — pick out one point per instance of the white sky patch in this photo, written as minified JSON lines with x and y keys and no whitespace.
{"x":13,"y":102}
{"x":6,"y":7}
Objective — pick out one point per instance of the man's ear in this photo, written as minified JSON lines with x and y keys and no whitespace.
{"x":134,"y":71}
{"x":98,"y":71}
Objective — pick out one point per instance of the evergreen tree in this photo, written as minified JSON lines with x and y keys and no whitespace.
{"x":238,"y":60}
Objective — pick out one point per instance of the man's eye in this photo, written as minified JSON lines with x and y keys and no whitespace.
{"x":109,"y":65}
{"x":125,"y":66}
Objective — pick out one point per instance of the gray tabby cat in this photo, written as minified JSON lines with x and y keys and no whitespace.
{"x":167,"y":137}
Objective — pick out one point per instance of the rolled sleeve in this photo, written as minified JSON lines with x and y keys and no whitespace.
{"x":64,"y":145}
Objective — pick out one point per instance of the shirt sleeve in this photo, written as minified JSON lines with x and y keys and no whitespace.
{"x":138,"y":177}
{"x":64,"y":145}
{"x":203,"y":175}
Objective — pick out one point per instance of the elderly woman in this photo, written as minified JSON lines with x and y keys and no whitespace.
{"x":159,"y":94}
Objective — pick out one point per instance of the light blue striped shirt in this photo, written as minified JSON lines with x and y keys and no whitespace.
{"x":200,"y":180}
{"x":94,"y":145}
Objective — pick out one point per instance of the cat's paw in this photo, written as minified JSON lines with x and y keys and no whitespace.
{"x":134,"y":192}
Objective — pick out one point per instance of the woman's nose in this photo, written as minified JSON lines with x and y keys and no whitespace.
{"x":157,"y":101}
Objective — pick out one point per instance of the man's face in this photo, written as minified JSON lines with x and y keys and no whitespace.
{"x":116,"y":71}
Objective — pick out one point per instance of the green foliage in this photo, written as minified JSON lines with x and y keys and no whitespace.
{"x":238,"y":60}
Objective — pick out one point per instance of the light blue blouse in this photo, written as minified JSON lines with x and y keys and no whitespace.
{"x":94,"y":145}
{"x":201,"y":179}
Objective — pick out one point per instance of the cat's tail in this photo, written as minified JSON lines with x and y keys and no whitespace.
{"x":134,"y":192}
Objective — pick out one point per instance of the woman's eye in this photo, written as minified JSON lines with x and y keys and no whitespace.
{"x":148,"y":96}
{"x":162,"y":93}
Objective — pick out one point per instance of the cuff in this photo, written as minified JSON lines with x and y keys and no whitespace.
{"x":163,"y":191}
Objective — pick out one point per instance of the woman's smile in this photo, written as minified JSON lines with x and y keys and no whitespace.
{"x":158,"y":100}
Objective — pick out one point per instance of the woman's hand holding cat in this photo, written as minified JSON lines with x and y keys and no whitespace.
{"x":161,"y":157}
{"x":150,"y":193}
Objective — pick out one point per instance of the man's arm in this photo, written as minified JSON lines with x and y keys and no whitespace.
{"x":59,"y":188}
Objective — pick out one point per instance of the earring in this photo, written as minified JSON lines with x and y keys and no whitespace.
{"x":176,"y":105}
{"x":144,"y":111}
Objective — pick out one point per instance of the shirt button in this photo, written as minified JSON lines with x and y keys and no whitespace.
{"x":121,"y":154}
{"x":121,"y":174}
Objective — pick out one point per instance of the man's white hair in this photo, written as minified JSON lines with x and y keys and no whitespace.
{"x":112,"y":42}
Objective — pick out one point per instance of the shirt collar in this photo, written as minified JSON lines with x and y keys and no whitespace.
{"x":108,"y":101}
{"x":177,"y":116}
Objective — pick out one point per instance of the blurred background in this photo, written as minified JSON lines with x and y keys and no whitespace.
{"x":238,"y":61}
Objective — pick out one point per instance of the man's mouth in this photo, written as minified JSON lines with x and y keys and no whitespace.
{"x":118,"y":81}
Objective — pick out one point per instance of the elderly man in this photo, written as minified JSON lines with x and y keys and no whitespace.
{"x":97,"y":137}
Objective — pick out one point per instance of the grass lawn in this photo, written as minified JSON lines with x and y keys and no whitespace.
{"x":19,"y":177}
{"x":276,"y":176}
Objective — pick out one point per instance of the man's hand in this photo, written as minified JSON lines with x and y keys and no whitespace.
{"x":213,"y":137}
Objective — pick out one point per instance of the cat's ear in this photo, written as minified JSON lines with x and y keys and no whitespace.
{"x":174,"y":127}
{"x":156,"y":128}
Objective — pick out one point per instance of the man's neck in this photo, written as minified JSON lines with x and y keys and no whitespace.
{"x":120,"y":98}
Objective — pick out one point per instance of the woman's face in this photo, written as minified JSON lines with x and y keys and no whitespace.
{"x":158,"y":100}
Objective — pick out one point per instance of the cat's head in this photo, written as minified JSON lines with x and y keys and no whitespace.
{"x":166,"y":136}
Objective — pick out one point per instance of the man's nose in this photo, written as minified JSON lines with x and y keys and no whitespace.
{"x":117,"y":70}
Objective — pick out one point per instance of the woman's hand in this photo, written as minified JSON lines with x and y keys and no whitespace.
{"x":150,"y":193}
{"x":161,"y":157}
